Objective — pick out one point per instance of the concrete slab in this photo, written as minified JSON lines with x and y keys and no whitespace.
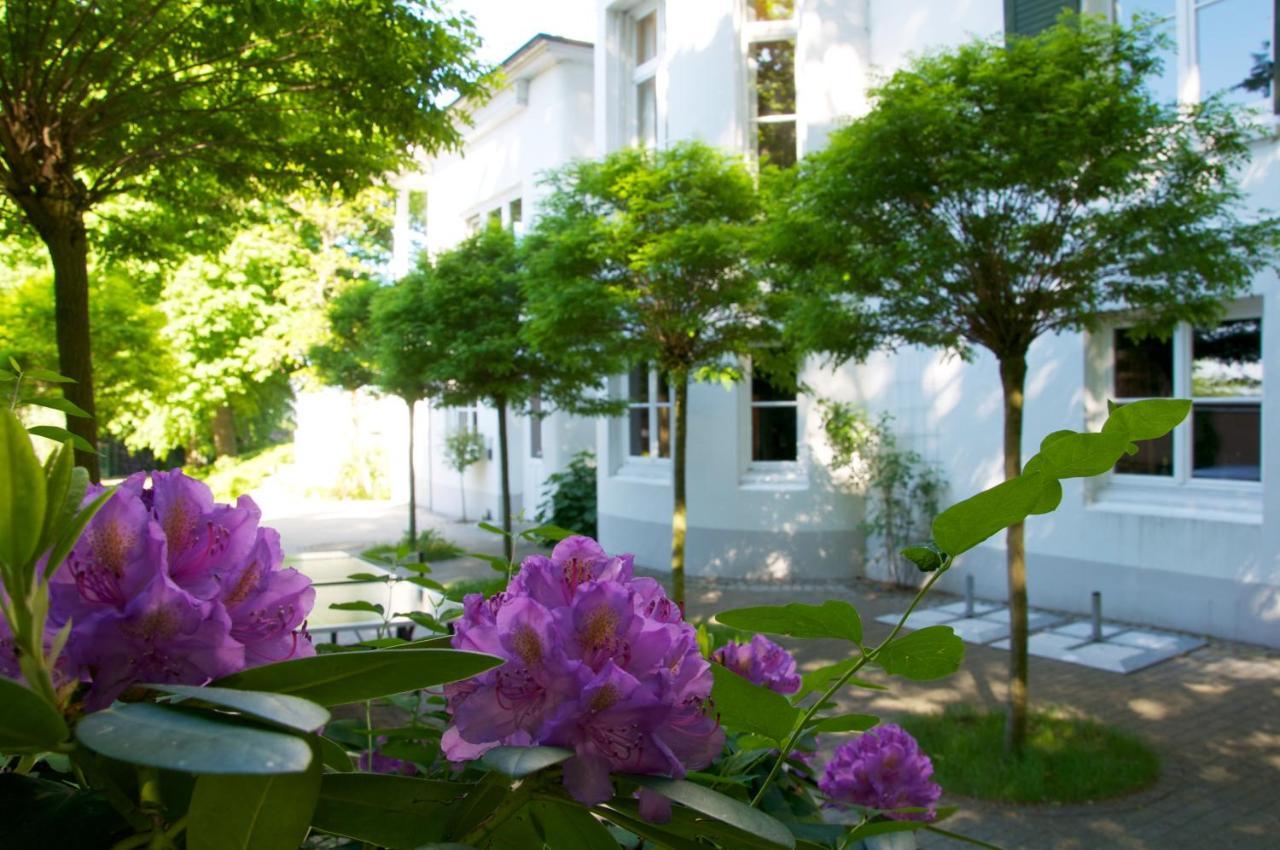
{"x":920,"y":619}
{"x":979,"y":608}
{"x":1083,"y":629}
{"x":1037,"y":620}
{"x":979,"y":629}
{"x":1158,"y":641}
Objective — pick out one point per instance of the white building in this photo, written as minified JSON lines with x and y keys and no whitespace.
{"x":1177,"y":538}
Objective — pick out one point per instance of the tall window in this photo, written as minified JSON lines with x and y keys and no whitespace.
{"x":1220,"y":369}
{"x":535,"y":427}
{"x":644,"y":77}
{"x":515,"y":216}
{"x":1225,"y":47}
{"x":465,"y":419}
{"x":771,"y":79}
{"x":649,"y":414}
{"x":773,"y":421}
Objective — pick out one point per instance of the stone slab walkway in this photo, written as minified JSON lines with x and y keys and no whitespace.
{"x":1213,"y":715}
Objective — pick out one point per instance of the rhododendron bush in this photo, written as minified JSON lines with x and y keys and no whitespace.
{"x":158,"y":687}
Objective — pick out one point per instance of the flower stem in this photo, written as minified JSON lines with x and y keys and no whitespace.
{"x":839,"y":683}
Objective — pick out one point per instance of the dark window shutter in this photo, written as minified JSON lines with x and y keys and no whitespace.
{"x":1028,"y":17}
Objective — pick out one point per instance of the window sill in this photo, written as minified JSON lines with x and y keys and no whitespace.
{"x":645,"y":471}
{"x":776,"y":476}
{"x":1202,"y":501}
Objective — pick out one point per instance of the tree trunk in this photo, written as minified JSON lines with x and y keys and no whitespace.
{"x":69,"y":252}
{"x":505,"y":472}
{"x":462,"y":491}
{"x":679,"y":510}
{"x":224,"y":432}
{"x":413,"y":487}
{"x":1013,"y":375}
{"x":431,"y":469}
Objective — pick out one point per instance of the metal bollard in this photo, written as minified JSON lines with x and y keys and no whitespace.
{"x":968,"y":595}
{"x":1097,"y":616}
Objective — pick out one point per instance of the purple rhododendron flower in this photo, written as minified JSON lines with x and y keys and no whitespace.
{"x":384,"y":764}
{"x":165,"y":585}
{"x":597,"y":661}
{"x":883,"y":768}
{"x":762,"y":662}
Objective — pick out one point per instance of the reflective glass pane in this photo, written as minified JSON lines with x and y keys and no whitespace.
{"x":1227,"y":360}
{"x":775,"y":64}
{"x":664,"y":431}
{"x":1144,"y":368}
{"x":639,"y":432}
{"x":535,"y":427}
{"x":771,"y":10}
{"x":1154,"y":457}
{"x":647,"y":113}
{"x":1227,"y":441}
{"x":764,"y":390}
{"x":517,"y":211}
{"x":1234,"y":50}
{"x":773,"y":433}
{"x":638,"y":384}
{"x":776,"y":143}
{"x":1164,"y":84}
{"x":646,"y":38}
{"x":664,"y":390}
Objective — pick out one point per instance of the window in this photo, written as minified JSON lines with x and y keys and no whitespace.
{"x":1222,"y":47}
{"x":773,"y":74}
{"x":417,"y":211}
{"x":494,"y":218}
{"x":773,"y":421}
{"x":649,"y":414}
{"x":515,"y":216}
{"x":473,"y":224}
{"x":535,"y":427}
{"x":644,"y":78}
{"x":465,"y":419}
{"x":1220,"y":369}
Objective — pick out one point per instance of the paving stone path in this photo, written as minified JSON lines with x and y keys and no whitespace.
{"x":1212,"y":715}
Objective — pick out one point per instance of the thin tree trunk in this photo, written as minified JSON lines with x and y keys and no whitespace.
{"x":224,"y":432}
{"x":679,"y":511}
{"x":431,"y":467}
{"x":69,"y":252}
{"x":1013,"y":375}
{"x":462,"y":491}
{"x":505,"y":472}
{"x":413,"y":487}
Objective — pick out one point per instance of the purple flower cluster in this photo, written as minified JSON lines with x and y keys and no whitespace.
{"x":598,"y":661}
{"x":165,"y":585}
{"x":762,"y":662}
{"x":883,"y":768}
{"x":384,"y":764}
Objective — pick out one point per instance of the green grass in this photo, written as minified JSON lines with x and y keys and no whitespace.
{"x":229,"y":477}
{"x":1067,"y":760}
{"x":433,"y":545}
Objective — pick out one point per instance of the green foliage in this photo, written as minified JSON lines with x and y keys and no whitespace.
{"x":345,"y":359}
{"x":462,"y":448}
{"x":1066,"y":759}
{"x":432,"y":545}
{"x":832,"y":619}
{"x":904,"y":491}
{"x":228,"y":477}
{"x":570,"y":501}
{"x":404,"y":355}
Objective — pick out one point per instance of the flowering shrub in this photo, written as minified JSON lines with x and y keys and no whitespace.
{"x":883,"y":768}
{"x":762,"y":662}
{"x":597,"y":661}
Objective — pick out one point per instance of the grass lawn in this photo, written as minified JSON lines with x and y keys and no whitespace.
{"x":433,"y":545}
{"x":1067,"y":760}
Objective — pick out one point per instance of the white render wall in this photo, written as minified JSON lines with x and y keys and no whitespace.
{"x":1204,"y":558}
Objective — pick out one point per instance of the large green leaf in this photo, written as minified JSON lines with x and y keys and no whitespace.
{"x":722,"y":808}
{"x":625,"y":815}
{"x":747,"y":707}
{"x":397,"y":812}
{"x":966,"y":524}
{"x":61,"y":435}
{"x":831,"y":619}
{"x":1072,"y":455}
{"x":22,"y":493}
{"x":281,"y":709}
{"x":570,"y":826}
{"x":930,"y":653}
{"x":27,"y":722}
{"x":253,"y":812}
{"x":191,"y":741}
{"x":519,"y":762}
{"x":358,"y":676}
{"x":1148,"y":419}
{"x":819,"y":679}
{"x":37,"y":813}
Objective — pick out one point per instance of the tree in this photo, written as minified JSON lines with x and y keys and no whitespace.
{"x":997,"y":193}
{"x":641,"y":258}
{"x":462,"y":448}
{"x":478,"y":313}
{"x":191,"y":104}
{"x":405,"y":355}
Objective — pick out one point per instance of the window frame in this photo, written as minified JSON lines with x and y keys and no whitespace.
{"x":755,"y":463}
{"x":757,"y":32}
{"x":537,"y":445}
{"x":643,"y":73}
{"x":653,"y":407}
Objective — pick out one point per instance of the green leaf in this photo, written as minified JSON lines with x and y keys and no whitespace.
{"x":966,"y":524}
{"x":61,"y":404}
{"x":22,"y":494}
{"x":291,"y":712}
{"x":72,"y":531}
{"x":925,"y":559}
{"x":397,"y":812}
{"x":385,"y":577}
{"x":189,"y":741}
{"x":60,"y":435}
{"x":423,"y":581}
{"x":549,"y":532}
{"x":844,"y":723}
{"x":1072,"y":455}
{"x":252,"y":812}
{"x":425,"y":620}
{"x":750,"y":708}
{"x":625,"y":815}
{"x":930,"y":653}
{"x":831,"y":619}
{"x":499,"y":565}
{"x":491,"y":528}
{"x":819,"y":679}
{"x":720,"y":807}
{"x":358,"y":605}
{"x":64,"y":490}
{"x":357,"y":676}
{"x":881,"y":827}
{"x":48,"y":376}
{"x":1148,"y":419}
{"x":334,"y":755}
{"x":569,"y":826}
{"x":27,"y":722}
{"x":37,"y":813}
{"x":519,"y":762}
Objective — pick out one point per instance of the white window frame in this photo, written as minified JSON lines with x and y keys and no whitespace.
{"x":1180,"y":494}
{"x":480,"y":215}
{"x":535,"y":427}
{"x":770,"y":474}
{"x":654,"y":408}
{"x":464,"y":418}
{"x":756,"y":32}
{"x":646,"y":72}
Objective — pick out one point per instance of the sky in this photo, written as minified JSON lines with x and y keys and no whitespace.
{"x":506,"y":24}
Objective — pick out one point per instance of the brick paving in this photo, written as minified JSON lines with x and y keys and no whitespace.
{"x":1212,"y":715}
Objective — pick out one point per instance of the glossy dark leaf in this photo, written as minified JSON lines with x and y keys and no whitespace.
{"x":47,"y":815}
{"x":252,"y":812}
{"x":27,"y":722}
{"x":397,"y":812}
{"x":722,"y":808}
{"x":519,"y":762}
{"x":281,"y":709}
{"x":570,"y":826}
